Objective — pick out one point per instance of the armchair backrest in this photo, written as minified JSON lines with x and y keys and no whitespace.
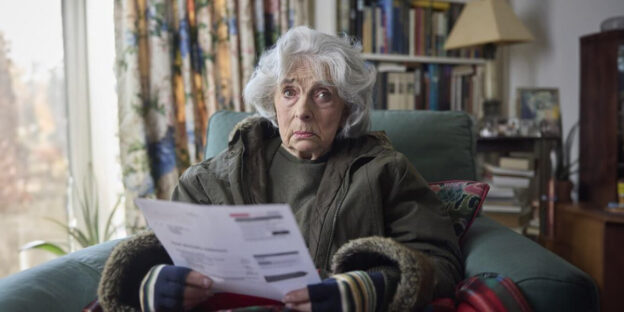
{"x":441,"y":145}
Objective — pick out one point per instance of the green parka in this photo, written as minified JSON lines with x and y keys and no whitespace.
{"x":372,"y":208}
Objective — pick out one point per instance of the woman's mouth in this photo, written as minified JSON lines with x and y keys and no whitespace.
{"x":303,"y":134}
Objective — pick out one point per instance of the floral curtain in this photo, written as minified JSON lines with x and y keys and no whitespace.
{"x":178,"y":62}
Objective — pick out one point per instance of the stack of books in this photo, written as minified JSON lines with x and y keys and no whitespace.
{"x":508,"y":199}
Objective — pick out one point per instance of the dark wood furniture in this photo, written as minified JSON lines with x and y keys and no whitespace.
{"x":601,"y":160}
{"x":593,"y":240}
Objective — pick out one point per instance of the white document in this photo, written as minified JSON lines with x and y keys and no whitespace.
{"x":252,"y":250}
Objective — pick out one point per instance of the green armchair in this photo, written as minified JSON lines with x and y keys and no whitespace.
{"x":442,"y":147}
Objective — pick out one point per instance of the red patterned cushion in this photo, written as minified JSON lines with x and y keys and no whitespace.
{"x":462,"y":199}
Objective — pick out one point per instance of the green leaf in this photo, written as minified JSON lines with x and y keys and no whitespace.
{"x":61,"y":224}
{"x":43,"y":245}
{"x":80,"y":237}
{"x":108,"y":229}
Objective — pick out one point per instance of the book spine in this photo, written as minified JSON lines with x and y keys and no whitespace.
{"x":359,"y":19}
{"x":388,"y":24}
{"x":412,"y":32}
{"x":433,"y":89}
{"x":367,"y":31}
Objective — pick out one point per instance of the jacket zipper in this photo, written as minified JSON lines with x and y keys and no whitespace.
{"x":339,"y":201}
{"x":244,"y":188}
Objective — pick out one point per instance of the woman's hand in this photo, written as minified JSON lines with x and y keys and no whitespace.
{"x":173,"y":288}
{"x":298,"y":299}
{"x":196,"y":289}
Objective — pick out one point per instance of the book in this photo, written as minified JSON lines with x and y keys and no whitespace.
{"x":510,"y":181}
{"x":515,"y":163}
{"x":410,"y":91}
{"x":367,"y":31}
{"x":393,"y":98}
{"x":508,"y":172}
{"x":500,"y":206}
{"x":533,"y":228}
{"x":498,"y":192}
{"x":412,"y":32}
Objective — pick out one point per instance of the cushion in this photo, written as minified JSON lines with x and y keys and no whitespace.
{"x":462,"y":200}
{"x":447,"y":136}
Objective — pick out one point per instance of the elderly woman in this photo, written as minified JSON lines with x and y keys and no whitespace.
{"x":374,"y":229}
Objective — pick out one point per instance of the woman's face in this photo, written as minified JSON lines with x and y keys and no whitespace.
{"x":309,"y":113}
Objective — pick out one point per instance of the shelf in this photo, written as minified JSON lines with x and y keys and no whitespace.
{"x":511,"y":143}
{"x":421,"y":59}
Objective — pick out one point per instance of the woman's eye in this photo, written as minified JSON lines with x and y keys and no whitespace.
{"x":289,"y":93}
{"x":323,"y":96}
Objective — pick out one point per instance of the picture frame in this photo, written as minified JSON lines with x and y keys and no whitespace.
{"x":540,"y":107}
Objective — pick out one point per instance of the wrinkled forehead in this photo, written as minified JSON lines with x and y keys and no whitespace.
{"x":306,"y":73}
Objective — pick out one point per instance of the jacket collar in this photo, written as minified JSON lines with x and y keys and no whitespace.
{"x":249,"y":174}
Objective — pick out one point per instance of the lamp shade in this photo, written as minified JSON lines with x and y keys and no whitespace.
{"x":487,"y":21}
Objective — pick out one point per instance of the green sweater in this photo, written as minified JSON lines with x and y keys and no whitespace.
{"x":294,"y":181}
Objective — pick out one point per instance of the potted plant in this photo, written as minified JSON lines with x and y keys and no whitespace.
{"x":564,"y":166}
{"x":91,"y":233}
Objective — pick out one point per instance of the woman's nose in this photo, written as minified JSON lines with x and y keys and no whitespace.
{"x":302,"y":109}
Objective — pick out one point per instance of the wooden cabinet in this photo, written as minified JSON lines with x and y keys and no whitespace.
{"x":592,"y":240}
{"x":601,"y":160}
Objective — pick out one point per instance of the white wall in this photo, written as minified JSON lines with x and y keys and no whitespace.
{"x":325,"y":16}
{"x":553,"y":59}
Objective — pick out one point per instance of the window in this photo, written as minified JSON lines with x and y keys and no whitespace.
{"x":58,"y":119}
{"x":33,"y":123}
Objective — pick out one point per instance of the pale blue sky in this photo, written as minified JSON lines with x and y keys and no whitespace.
{"x":34,"y":31}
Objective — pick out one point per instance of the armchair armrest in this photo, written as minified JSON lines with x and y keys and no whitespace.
{"x":67,"y":283}
{"x":548,"y":282}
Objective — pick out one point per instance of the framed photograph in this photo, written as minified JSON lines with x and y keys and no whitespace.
{"x":540,"y":107}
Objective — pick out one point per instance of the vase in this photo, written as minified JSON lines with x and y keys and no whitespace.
{"x":563,"y":189}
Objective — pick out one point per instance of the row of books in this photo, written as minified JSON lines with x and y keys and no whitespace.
{"x":416,"y":27}
{"x":429,"y":87}
{"x":509,"y":199}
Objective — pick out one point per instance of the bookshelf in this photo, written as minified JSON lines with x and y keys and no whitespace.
{"x":404,"y":40}
{"x":540,"y":193}
{"x":446,"y":80}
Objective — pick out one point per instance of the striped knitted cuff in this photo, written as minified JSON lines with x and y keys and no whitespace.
{"x":351,"y":291}
{"x":162,"y":288}
{"x":146,"y":291}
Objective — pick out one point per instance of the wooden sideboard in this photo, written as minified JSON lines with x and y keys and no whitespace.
{"x":593,"y":240}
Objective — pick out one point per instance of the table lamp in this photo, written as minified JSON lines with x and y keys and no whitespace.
{"x":489,"y":23}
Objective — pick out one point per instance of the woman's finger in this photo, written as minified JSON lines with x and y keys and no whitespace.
{"x":191,"y":303}
{"x":197,"y":279}
{"x":305,"y":307}
{"x":297,"y":296}
{"x":191,"y":292}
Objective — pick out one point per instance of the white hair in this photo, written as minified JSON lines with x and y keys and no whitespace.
{"x":325,"y":55}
